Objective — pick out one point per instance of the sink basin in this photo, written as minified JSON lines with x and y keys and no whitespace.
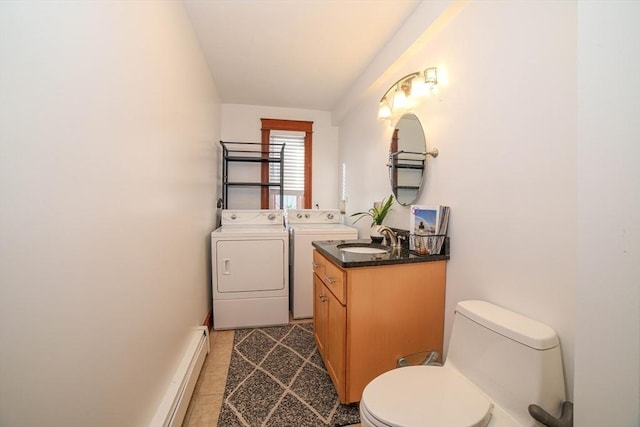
{"x":362,"y":248}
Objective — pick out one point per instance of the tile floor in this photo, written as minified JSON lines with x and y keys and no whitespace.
{"x":206,"y":401}
{"x":207,"y":397}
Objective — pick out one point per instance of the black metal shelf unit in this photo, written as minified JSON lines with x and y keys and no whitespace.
{"x":405,"y":160}
{"x":250,"y":152}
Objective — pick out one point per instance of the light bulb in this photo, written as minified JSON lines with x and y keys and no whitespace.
{"x":400,"y":100}
{"x":384,"y":110}
{"x":419,"y":88}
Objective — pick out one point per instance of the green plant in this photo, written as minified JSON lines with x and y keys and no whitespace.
{"x":378,"y":213}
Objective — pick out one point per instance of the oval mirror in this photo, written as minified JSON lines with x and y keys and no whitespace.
{"x":407,"y":156}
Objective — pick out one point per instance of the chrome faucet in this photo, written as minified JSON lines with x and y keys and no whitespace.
{"x":389,"y":235}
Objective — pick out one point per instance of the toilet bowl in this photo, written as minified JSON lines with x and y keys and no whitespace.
{"x":454,"y":402}
{"x":498,"y":363}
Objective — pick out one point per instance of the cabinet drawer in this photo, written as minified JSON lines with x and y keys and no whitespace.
{"x":319,"y":264}
{"x":331,"y":275}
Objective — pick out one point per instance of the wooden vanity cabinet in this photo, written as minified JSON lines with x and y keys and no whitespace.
{"x":365,"y":318}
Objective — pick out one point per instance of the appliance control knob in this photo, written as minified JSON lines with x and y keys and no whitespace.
{"x":330,"y":215}
{"x":271,"y":217}
{"x":307,"y":216}
{"x":299,"y":216}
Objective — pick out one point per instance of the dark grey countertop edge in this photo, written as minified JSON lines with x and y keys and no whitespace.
{"x":330,"y":250}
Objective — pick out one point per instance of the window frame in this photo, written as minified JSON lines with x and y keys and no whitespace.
{"x":287,"y":125}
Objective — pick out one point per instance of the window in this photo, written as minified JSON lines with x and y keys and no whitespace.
{"x":297,"y":135}
{"x":293,"y":194}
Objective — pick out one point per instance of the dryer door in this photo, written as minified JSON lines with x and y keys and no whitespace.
{"x":250,"y":268}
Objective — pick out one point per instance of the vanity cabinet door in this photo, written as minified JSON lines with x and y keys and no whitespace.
{"x":336,"y":338}
{"x":320,"y":315}
{"x":329,"y":330}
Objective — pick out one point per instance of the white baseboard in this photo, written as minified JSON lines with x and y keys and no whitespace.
{"x":174,"y":406}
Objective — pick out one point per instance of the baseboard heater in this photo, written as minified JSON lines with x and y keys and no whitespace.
{"x":174,"y":406}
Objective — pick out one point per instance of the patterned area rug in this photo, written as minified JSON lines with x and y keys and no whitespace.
{"x":277,"y":378}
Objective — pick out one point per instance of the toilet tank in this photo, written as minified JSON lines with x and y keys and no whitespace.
{"x":515,"y":360}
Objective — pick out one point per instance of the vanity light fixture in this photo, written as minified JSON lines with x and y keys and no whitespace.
{"x":403,"y":94}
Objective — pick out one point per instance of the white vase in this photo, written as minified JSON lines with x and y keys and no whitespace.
{"x":374,"y":233}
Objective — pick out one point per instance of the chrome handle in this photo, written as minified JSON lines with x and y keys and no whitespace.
{"x":329,"y":279}
{"x":323,"y":298}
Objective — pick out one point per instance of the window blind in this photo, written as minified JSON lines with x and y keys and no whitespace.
{"x":293,"y":162}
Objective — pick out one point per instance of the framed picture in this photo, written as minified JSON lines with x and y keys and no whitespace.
{"x":424,"y":219}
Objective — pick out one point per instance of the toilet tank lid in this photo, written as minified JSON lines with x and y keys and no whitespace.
{"x":527,"y":331}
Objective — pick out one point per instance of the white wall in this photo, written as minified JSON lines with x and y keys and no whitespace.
{"x":109,"y":122}
{"x":504,"y":121}
{"x":607,"y":389}
{"x":241,"y":123}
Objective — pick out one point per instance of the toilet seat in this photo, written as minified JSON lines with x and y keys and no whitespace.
{"x":424,"y":396}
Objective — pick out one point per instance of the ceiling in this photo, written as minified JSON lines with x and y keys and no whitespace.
{"x":292,"y":53}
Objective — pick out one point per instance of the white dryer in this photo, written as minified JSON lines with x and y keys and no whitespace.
{"x":305,"y":226}
{"x":250,"y":265}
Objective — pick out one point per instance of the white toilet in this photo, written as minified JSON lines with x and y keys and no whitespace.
{"x":498,"y":363}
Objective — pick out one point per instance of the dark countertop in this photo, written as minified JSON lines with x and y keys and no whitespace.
{"x":329,"y":248}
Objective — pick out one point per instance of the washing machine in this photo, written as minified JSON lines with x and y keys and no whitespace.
{"x":250,"y":266}
{"x":305,"y":226}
